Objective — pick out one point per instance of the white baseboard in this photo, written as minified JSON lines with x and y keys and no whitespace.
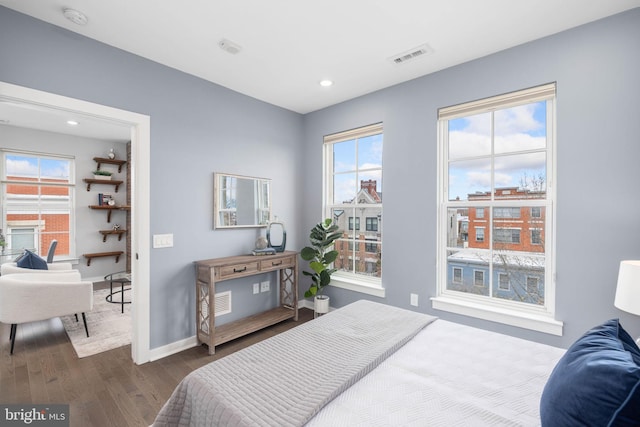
{"x":173,"y":348}
{"x":187,"y":343}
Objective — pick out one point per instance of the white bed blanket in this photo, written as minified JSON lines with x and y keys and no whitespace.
{"x":449,"y":375}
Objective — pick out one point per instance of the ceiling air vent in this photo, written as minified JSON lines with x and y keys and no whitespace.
{"x":411,"y":54}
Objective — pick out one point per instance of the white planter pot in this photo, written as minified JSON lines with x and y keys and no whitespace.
{"x":102,"y":177}
{"x":320,"y":305}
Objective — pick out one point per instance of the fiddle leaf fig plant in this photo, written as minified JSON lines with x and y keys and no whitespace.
{"x":320,"y":255}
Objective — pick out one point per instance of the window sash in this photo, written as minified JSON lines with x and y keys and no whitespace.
{"x":490,"y":307}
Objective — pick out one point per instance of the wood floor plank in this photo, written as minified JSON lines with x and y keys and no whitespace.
{"x":106,"y":389}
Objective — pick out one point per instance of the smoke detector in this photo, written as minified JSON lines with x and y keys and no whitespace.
{"x":412,"y":54}
{"x":74,"y":16}
{"x":229,"y":46}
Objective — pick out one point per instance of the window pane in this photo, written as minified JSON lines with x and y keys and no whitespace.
{"x":523,"y":172}
{"x":470,"y":136}
{"x":469,"y":177}
{"x":21,"y":167}
{"x":344,"y":188}
{"x":370,"y":188}
{"x":370,"y":152}
{"x":457,"y":227}
{"x":368,"y":257}
{"x":344,"y":156}
{"x":55,"y":170}
{"x":521,"y":128}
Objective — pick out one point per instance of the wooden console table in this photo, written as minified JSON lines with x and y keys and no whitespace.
{"x":211,"y":271}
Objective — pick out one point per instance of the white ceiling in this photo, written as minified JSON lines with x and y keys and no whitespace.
{"x":288,"y":46}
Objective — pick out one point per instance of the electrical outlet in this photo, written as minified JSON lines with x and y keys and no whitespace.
{"x":264,"y":286}
{"x":256,"y":288}
{"x":414,"y":300}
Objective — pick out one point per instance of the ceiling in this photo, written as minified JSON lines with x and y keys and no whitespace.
{"x":288,"y":46}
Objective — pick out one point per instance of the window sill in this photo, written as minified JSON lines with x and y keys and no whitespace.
{"x":532,"y":321}
{"x":358,"y":286}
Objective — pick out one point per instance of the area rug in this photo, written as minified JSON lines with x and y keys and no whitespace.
{"x":108,"y":327}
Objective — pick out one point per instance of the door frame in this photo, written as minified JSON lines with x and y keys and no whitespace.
{"x":140,"y":196}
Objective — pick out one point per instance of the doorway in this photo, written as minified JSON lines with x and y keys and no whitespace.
{"x":140,"y":200}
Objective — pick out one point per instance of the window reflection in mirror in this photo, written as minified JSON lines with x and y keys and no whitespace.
{"x":241,"y":201}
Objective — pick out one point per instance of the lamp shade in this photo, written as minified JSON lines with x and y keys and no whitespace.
{"x":628,"y":289}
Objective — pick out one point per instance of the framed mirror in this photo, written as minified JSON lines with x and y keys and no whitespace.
{"x":241,"y":201}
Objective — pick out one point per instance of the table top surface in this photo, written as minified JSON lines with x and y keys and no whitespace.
{"x":120,"y":276}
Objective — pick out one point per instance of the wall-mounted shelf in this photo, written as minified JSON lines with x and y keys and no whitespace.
{"x":89,"y":257}
{"x":106,"y":233}
{"x":109,"y":209}
{"x":101,"y":160}
{"x":90,"y":181}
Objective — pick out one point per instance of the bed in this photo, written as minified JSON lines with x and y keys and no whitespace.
{"x":369,"y":364}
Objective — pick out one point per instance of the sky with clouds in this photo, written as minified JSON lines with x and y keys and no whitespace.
{"x":367,"y":154}
{"x":29,"y":167}
{"x":518,"y":147}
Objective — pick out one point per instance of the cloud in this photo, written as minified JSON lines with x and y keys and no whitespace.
{"x":21,"y":168}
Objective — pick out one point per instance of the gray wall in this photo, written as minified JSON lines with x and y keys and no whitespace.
{"x":597,"y":70}
{"x":88,"y":221}
{"x":196,"y":128}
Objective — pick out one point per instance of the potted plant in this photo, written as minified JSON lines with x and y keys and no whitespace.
{"x":320,"y":255}
{"x":104,"y":175}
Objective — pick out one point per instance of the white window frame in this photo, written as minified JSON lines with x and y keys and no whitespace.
{"x":538,"y":318}
{"x":36,"y":224}
{"x":341,"y":279}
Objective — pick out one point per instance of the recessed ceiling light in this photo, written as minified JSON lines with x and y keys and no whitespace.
{"x":326,"y":83}
{"x":72,"y":123}
{"x":75,"y":16}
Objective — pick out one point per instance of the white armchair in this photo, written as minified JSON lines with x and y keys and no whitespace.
{"x":12,"y":268}
{"x":30,"y":297}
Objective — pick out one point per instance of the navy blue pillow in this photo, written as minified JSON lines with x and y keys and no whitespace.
{"x":33,"y":261}
{"x":596,"y":382}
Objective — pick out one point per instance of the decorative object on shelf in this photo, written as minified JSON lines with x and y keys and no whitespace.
{"x":116,"y":226}
{"x":112,"y":154}
{"x":261,"y":242}
{"x":276,"y":233}
{"x":262,"y":247}
{"x":102,"y":175}
{"x":111,"y":202}
{"x":320,"y":256}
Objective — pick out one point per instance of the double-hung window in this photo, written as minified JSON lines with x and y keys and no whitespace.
{"x":37,"y":202}
{"x":353,"y":196}
{"x":495,"y":161}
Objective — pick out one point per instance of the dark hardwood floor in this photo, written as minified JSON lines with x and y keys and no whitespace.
{"x":107,"y":389}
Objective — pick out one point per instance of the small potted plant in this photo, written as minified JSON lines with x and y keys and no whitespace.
{"x":104,"y":175}
{"x":320,"y":255}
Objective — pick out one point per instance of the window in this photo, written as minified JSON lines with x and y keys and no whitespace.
{"x":357,"y":221}
{"x":503,"y":281}
{"x":457,"y":275}
{"x":478,"y":278}
{"x":353,"y":194}
{"x":495,"y":160}
{"x":506,"y":235}
{"x":506,"y":212}
{"x":372,"y":223}
{"x":536,"y":212}
{"x":37,"y":202}
{"x":536,"y":236}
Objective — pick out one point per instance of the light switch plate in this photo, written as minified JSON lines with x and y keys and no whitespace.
{"x":163,"y":240}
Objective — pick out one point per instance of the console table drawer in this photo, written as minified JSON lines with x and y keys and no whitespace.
{"x":239,"y":270}
{"x":276,"y":264}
